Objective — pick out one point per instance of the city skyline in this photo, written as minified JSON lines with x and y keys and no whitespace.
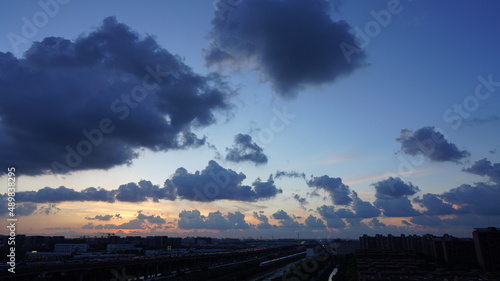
{"x":250,"y":118}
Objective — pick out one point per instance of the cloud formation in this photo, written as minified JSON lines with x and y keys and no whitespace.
{"x":62,"y":194}
{"x":313,"y":222}
{"x":102,"y":217}
{"x":478,"y":199}
{"x":217,"y":183}
{"x":339,"y":192}
{"x":485,"y":168}
{"x":95,"y":101}
{"x":289,"y":174}
{"x":302,"y":201}
{"x":392,"y":197}
{"x":331,"y":217}
{"x":285,"y":220}
{"x":435,"y":205}
{"x":246,"y":150}
{"x":394,"y":188}
{"x":142,"y":221}
{"x":294,"y":43}
{"x":212,"y":183}
{"x":264,"y":221}
{"x":215,"y":220}
{"x":364,"y":209}
{"x":431,"y":144}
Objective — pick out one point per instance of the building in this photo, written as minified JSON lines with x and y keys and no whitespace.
{"x":344,"y":247}
{"x":119,"y":247}
{"x":487,"y":245}
{"x":71,"y":248}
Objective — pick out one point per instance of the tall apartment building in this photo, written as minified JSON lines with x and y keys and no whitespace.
{"x":487,"y":244}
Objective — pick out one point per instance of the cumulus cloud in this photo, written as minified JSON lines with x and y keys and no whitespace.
{"x":142,"y":221}
{"x":293,"y":43}
{"x":264,"y":221}
{"x":484,"y":167}
{"x":364,"y":209}
{"x":435,"y":205}
{"x":339,"y":192}
{"x":246,"y":150}
{"x":216,"y":183}
{"x":215,"y":220}
{"x":212,"y":183}
{"x":392,"y":197}
{"x":285,"y":220}
{"x":431,"y":144}
{"x":94,"y":102}
{"x":313,"y":222}
{"x":62,"y":193}
{"x":479,"y":199}
{"x":331,"y":217}
{"x":400,"y":207}
{"x":141,"y":191}
{"x":393,"y":188}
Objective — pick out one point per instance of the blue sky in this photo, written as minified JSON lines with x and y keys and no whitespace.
{"x":274,"y":92}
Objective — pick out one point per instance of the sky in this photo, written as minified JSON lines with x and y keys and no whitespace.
{"x":250,"y":118}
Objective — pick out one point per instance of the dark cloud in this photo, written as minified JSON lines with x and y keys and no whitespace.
{"x":392,"y":197}
{"x":94,"y":102}
{"x":100,"y":217}
{"x":339,"y":192}
{"x":48,"y":209}
{"x":217,"y":183}
{"x":431,"y":221}
{"x":281,"y":215}
{"x":484,"y":167}
{"x":151,"y":218}
{"x":215,"y":220}
{"x":212,"y":183}
{"x":264,"y":221}
{"x":313,"y":222}
{"x":246,"y":150}
{"x":25,"y":208}
{"x":302,"y":201}
{"x":428,"y":142}
{"x":364,"y":209}
{"x":393,"y":188}
{"x":435,"y":205}
{"x":141,"y":191}
{"x":294,"y":43}
{"x":142,"y":221}
{"x":331,"y":217}
{"x":290,"y":174}
{"x":285,"y":220}
{"x":62,"y":193}
{"x":479,"y":199}
{"x":400,"y":207}
{"x":376,"y":223}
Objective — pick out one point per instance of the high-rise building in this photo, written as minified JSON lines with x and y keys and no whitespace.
{"x":487,"y":244}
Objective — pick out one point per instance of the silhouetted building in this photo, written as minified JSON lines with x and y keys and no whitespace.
{"x":70,"y":248}
{"x":487,"y":244}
